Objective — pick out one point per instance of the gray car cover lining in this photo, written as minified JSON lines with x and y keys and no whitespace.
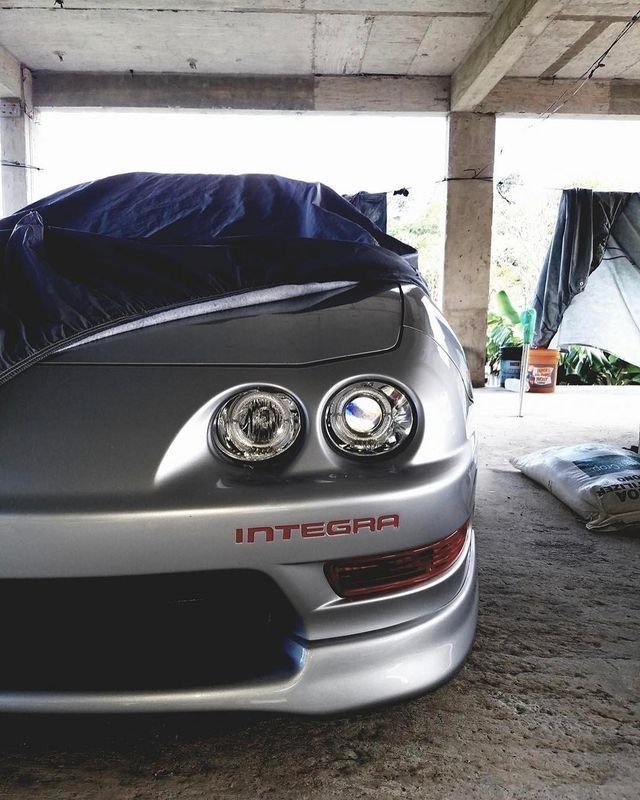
{"x":589,"y":288}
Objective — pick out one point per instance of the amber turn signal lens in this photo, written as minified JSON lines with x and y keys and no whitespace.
{"x":391,"y":572}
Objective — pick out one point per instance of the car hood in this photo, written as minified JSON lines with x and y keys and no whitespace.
{"x":352,"y":321}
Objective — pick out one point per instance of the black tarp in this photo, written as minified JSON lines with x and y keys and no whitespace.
{"x":586,"y":221}
{"x":126,"y":247}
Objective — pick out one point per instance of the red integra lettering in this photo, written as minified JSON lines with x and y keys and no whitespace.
{"x":365,"y":524}
{"x":286,"y":530}
{"x":392,"y":521}
{"x":338,"y":527}
{"x":312,"y":530}
{"x":251,"y":534}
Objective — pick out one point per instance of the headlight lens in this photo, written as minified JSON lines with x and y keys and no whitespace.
{"x":257,"y":425}
{"x":369,"y":418}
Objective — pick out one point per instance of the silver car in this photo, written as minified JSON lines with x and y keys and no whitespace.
{"x":286,"y":526}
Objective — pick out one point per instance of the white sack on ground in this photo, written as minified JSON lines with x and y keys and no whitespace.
{"x":600,"y":483}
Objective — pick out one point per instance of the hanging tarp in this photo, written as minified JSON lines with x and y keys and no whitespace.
{"x":127,"y":247}
{"x":589,"y":288}
{"x":373,"y":205}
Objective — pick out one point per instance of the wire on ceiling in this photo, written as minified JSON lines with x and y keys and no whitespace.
{"x":588,"y":74}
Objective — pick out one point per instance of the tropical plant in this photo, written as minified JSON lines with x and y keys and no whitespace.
{"x":503,"y":329}
{"x":591,"y":366}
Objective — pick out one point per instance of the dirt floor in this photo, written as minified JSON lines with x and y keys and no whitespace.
{"x":546,"y":707}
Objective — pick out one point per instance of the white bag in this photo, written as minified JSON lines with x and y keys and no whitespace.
{"x":600,"y":483}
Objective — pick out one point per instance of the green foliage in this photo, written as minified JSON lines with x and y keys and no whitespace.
{"x":523,"y":222}
{"x":419,"y":221}
{"x":506,"y":309}
{"x":589,"y":366}
{"x":503,"y":330}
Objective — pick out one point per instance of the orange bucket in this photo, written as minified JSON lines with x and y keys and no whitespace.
{"x":543,"y":369}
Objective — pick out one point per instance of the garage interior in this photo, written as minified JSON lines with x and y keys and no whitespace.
{"x":547,"y":705}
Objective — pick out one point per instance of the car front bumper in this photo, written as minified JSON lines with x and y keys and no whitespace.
{"x":335,"y":676}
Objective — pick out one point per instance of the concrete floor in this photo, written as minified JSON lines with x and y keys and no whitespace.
{"x":546,"y":707}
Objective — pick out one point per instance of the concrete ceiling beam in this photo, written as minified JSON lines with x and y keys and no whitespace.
{"x":278,"y":93}
{"x":394,"y":94}
{"x":511,"y":29}
{"x":531,"y":96}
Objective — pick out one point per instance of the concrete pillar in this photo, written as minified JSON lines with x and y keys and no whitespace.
{"x":15,"y":146}
{"x":467,"y":253}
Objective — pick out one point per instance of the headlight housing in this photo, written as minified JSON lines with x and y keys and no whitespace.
{"x":257,"y":425}
{"x":369,"y":418}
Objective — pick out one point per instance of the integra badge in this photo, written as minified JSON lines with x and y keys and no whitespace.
{"x":311,"y":530}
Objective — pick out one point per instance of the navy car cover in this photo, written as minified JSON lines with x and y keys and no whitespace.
{"x":126,"y":247}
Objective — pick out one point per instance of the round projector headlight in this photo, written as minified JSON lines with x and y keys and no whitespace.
{"x":257,"y":425}
{"x":369,"y":418}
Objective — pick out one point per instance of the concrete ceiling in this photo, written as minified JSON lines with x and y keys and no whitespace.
{"x":302,"y":37}
{"x":268,"y":37}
